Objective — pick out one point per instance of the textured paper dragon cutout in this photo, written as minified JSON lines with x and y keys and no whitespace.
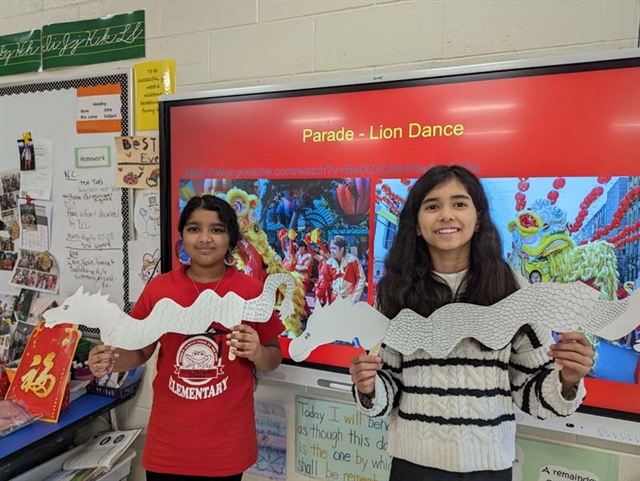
{"x":120,"y":330}
{"x":339,"y":321}
{"x":560,"y":307}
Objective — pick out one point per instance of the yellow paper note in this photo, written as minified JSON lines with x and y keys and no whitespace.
{"x":152,"y":79}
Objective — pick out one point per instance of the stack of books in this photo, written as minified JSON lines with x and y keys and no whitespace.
{"x":96,"y":457}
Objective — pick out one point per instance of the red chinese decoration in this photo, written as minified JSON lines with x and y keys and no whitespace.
{"x":633,"y":238}
{"x":41,"y":377}
{"x":553,"y":196}
{"x":590,"y":198}
{"x":394,"y":202}
{"x":523,"y":185}
{"x":618,"y":216}
{"x":624,"y":232}
{"x":559,"y":183}
{"x":521,"y":199}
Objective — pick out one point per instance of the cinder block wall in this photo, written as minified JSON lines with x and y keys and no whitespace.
{"x":236,"y":43}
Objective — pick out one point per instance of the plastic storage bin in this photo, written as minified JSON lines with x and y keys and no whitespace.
{"x":119,"y":471}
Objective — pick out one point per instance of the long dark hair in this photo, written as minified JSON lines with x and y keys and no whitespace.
{"x":409,"y":282}
{"x":210,"y":202}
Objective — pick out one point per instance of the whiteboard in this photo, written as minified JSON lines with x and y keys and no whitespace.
{"x":90,"y":220}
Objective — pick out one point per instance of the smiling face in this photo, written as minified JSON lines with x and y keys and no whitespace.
{"x":205,"y":239}
{"x":447,"y":221}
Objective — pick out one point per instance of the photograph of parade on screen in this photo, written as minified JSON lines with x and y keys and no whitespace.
{"x":554,"y":230}
{"x":315,"y":229}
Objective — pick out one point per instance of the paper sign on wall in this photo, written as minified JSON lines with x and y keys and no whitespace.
{"x":20,"y":52}
{"x":152,"y":79}
{"x":90,"y":157}
{"x":36,"y":181}
{"x":138,"y":162}
{"x":536,"y":461}
{"x":336,"y":441}
{"x":85,"y":42}
{"x":146,"y":213}
{"x":271,"y":428}
{"x":144,"y":265}
{"x":98,"y":109}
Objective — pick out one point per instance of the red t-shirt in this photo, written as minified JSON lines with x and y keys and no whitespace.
{"x":202,"y":420}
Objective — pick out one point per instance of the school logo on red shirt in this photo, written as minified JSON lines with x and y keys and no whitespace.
{"x":199,"y":372}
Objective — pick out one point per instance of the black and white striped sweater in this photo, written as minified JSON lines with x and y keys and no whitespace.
{"x":457,"y":413}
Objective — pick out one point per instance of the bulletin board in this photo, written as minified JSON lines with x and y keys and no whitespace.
{"x":90,"y":216}
{"x":556,"y":140}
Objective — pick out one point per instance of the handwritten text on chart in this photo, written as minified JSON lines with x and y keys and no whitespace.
{"x":271,"y":428}
{"x":335,"y":441}
{"x":93,"y":215}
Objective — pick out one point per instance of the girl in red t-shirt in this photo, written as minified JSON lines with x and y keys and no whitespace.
{"x":202,"y":422}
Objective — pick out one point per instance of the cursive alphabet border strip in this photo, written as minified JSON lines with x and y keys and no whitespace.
{"x":85,"y":42}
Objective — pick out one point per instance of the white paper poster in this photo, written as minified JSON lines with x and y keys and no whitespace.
{"x":36,"y":183}
{"x":92,"y":225}
{"x":336,"y":441}
{"x":146,"y":214}
{"x":144,"y":265}
{"x":271,"y":428}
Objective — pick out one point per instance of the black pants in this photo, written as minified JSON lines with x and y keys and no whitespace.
{"x":402,"y":470}
{"x":151,"y":476}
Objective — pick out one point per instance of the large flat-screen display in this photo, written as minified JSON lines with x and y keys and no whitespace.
{"x":311,"y":169}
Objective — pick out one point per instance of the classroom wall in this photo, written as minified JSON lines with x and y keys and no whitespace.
{"x":224,"y":43}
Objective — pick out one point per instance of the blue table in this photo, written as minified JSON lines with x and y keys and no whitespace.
{"x":34,"y":444}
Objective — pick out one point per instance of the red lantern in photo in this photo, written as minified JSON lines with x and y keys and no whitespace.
{"x":559,"y":183}
{"x":354,"y":198}
{"x":553,"y":196}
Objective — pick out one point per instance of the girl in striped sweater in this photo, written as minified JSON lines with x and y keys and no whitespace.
{"x":453,"y":418}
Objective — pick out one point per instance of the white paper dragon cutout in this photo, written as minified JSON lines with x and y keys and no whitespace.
{"x":560,"y":307}
{"x":120,"y":330}
{"x":339,"y":321}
